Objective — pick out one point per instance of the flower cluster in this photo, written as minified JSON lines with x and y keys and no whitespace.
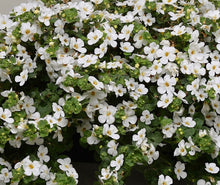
{"x":138,"y":80}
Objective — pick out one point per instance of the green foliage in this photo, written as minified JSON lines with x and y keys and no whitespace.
{"x":63,"y":179}
{"x":71,"y":106}
{"x":11,"y":101}
{"x":70,"y":15}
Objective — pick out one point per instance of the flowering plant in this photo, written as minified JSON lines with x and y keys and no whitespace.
{"x":137,"y":79}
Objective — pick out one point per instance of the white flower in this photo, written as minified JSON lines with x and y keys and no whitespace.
{"x":118,"y":162}
{"x":59,"y":26}
{"x":165,"y":85}
{"x":129,"y":118}
{"x":97,"y":1}
{"x":148,"y":19}
{"x":93,"y":139}
{"x":98,"y":85}
{"x":194,"y":86}
{"x":126,"y":47}
{"x":110,"y":130}
{"x":28,"y":105}
{"x":152,"y":154}
{"x":165,"y":180}
{"x":126,"y":32}
{"x":144,"y":74}
{"x":107,"y":113}
{"x":188,"y":122}
{"x":22,"y":78}
{"x":139,"y":137}
{"x":105,"y":173}
{"x":58,"y":111}
{"x":6,"y":115}
{"x":93,"y":37}
{"x":87,"y":60}
{"x":83,"y":127}
{"x":131,"y":84}
{"x":203,"y":182}
{"x":178,"y":30}
{"x":195,"y":18}
{"x":77,"y":44}
{"x":211,"y":168}
{"x":213,"y":67}
{"x":119,"y":90}
{"x":45,"y":172}
{"x":42,"y":154}
{"x":86,"y":8}
{"x":181,"y":150}
{"x":179,"y":170}
{"x":112,"y":148}
{"x":141,"y":89}
{"x":139,"y":39}
{"x":45,"y":17}
{"x":65,"y":164}
{"x":27,"y":31}
{"x":5,"y":175}
{"x":146,"y":117}
{"x":202,"y":133}
{"x":169,"y":130}
{"x":30,"y":65}
{"x":156,"y":68}
{"x":185,"y":67}
{"x":165,"y":100}
{"x":61,"y":121}
{"x":167,"y":54}
{"x":101,"y":50}
{"x":31,"y":167}
{"x":151,"y":51}
{"x":192,"y":146}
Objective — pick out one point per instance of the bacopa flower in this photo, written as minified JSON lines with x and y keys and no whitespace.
{"x":167,"y":54}
{"x":139,"y":137}
{"x":188,"y":122}
{"x":58,"y":111}
{"x":5,"y":175}
{"x":211,"y":168}
{"x":126,"y":32}
{"x":112,"y":148}
{"x":146,"y":117}
{"x":6,"y":115}
{"x":94,"y":37}
{"x":65,"y":164}
{"x":110,"y":130}
{"x":165,"y":100}
{"x":165,"y":85}
{"x":165,"y":180}
{"x":42,"y":154}
{"x":27,"y":31}
{"x":98,"y":85}
{"x":130,"y":77}
{"x":22,"y":78}
{"x":126,"y":47}
{"x":31,"y":167}
{"x":179,"y":170}
{"x":181,"y":150}
{"x":118,"y":162}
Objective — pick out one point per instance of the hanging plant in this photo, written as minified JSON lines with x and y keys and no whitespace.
{"x":138,"y":80}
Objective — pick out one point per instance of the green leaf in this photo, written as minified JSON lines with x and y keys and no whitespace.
{"x":28,"y":179}
{"x":188,"y":132}
{"x":157,"y":137}
{"x":70,"y":15}
{"x":44,"y":128}
{"x":71,"y":106}
{"x":62,"y":179}
{"x":165,"y":121}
